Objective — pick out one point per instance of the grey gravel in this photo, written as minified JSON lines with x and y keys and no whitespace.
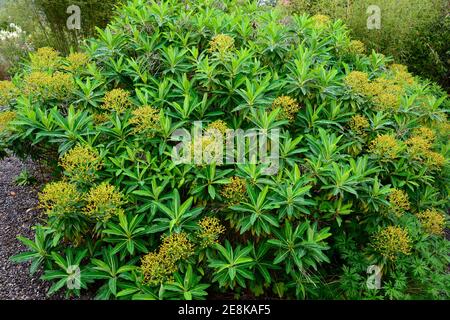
{"x":18,"y":214}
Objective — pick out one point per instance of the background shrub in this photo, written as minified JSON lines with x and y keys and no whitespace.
{"x":415,"y":32}
{"x":43,"y":23}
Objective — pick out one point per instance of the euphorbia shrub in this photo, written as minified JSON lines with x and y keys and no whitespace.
{"x":363,"y":175}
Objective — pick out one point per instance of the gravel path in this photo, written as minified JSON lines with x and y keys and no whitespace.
{"x":17,"y":215}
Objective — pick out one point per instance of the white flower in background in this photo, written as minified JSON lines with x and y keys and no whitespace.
{"x":15,"y":32}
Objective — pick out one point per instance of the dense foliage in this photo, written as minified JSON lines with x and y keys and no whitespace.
{"x":363,"y":180}
{"x":415,"y":32}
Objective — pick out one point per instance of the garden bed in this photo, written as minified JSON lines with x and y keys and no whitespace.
{"x":18,"y":214}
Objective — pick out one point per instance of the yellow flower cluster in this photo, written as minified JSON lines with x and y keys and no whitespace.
{"x":219,"y":125}
{"x":357,"y":81}
{"x":76,"y":61}
{"x":425,"y":133}
{"x":45,"y":59}
{"x":399,"y":201}
{"x":386,"y":101}
{"x":49,"y":86}
{"x":210,"y":231}
{"x":385,"y":93}
{"x":398,"y":67}
{"x":418,"y":146}
{"x":289,"y":107}
{"x":103,"y":202}
{"x":59,"y":198}
{"x":221,"y":43}
{"x":5,"y":118}
{"x":116,"y":100}
{"x":158,"y":267}
{"x":62,"y":85}
{"x":8,"y":92}
{"x":38,"y":83}
{"x":358,"y":124}
{"x":432,"y":221}
{"x":392,"y":241}
{"x":357,"y":47}
{"x":321,"y":20}
{"x":146,"y":119}
{"x":381,"y":86}
{"x":401,"y":74}
{"x":176,"y":247}
{"x":81,"y":163}
{"x":235,"y":191}
{"x":434,"y":159}
{"x":385,"y":146}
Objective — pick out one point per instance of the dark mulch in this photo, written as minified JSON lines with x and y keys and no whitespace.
{"x":18,"y":214}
